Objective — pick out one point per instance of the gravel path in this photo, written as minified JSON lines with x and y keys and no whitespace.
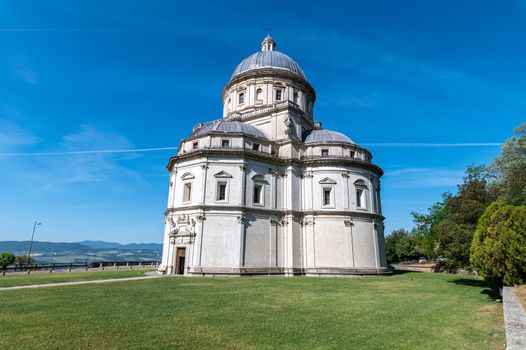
{"x":79,"y":282}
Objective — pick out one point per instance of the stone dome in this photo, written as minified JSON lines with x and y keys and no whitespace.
{"x":228,"y":127}
{"x":327,"y":136}
{"x":268,"y":58}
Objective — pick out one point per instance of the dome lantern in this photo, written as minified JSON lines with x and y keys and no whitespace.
{"x":268,"y":44}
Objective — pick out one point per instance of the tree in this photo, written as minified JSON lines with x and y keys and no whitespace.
{"x":498,"y":250}
{"x":510,"y":168}
{"x":400,"y":245}
{"x":425,"y":231}
{"x":6,"y":259}
{"x":23,"y":260}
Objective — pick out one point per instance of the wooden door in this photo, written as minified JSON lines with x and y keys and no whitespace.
{"x":179,"y":261}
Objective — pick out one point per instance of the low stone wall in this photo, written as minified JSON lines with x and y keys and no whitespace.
{"x":514,"y":319}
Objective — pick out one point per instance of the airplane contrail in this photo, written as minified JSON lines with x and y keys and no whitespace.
{"x":137,"y":150}
{"x":401,"y":145}
{"x":158,"y":149}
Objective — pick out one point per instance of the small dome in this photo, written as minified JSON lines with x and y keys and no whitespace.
{"x":229,"y":127}
{"x":326,"y":136}
{"x":268,"y":58}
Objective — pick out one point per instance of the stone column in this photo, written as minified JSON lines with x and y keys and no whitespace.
{"x":273,"y":243}
{"x":371,"y":195}
{"x":198,"y":240}
{"x":378,"y":200}
{"x":242,"y":239}
{"x":243,"y":184}
{"x":204,"y":168}
{"x":349,"y":242}
{"x":376,"y":248}
{"x":273,"y":189}
{"x":345,"y":190}
{"x":310,"y":259}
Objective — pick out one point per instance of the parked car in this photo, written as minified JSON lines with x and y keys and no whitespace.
{"x":441,"y":258}
{"x":422,"y":260}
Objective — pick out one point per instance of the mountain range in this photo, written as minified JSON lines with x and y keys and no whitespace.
{"x":84,"y":251}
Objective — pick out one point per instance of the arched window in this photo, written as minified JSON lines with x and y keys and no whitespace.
{"x":259,"y":95}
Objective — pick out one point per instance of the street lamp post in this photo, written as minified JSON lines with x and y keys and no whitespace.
{"x":31,"y":242}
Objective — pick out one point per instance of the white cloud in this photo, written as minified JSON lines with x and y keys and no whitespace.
{"x":51,"y":174}
{"x":13,"y":137}
{"x":423,"y":177}
{"x":23,"y":71}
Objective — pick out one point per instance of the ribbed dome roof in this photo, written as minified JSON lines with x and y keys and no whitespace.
{"x":326,"y":136}
{"x":229,"y":127}
{"x":268,"y":58}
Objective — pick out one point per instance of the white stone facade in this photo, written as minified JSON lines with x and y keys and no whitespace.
{"x":266,"y":190}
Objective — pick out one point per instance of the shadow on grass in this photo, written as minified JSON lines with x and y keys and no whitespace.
{"x":403,"y":272}
{"x":492,"y":294}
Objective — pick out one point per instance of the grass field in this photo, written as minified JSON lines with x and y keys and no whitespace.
{"x":405,"y":311}
{"x":55,"y":277}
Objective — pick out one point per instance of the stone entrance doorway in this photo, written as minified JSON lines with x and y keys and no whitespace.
{"x":179,"y":261}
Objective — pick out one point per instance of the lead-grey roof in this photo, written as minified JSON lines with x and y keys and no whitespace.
{"x":268,"y":59}
{"x":229,"y":127}
{"x":326,"y":136}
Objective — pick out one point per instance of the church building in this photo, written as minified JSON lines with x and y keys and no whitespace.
{"x":266,"y":190}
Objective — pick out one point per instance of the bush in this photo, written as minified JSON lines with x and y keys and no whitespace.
{"x":498,"y":251}
{"x":5,"y":260}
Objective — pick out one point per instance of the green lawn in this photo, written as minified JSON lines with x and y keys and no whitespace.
{"x":406,"y":311}
{"x":43,"y":278}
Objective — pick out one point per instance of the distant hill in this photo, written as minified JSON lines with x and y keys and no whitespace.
{"x":104,"y":244}
{"x":17,"y":247}
{"x":85,"y":251}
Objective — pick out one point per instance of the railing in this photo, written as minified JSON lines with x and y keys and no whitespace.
{"x":87,"y":266}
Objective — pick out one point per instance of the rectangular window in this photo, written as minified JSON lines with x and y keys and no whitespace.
{"x":324,"y":152}
{"x":327,"y":196}
{"x":278,"y":95}
{"x":225,"y":143}
{"x":195,"y":145}
{"x":258,"y":189}
{"x":353,"y":154}
{"x":241,"y":98}
{"x":255,"y":146}
{"x":295,"y":97}
{"x":187,"y":192}
{"x":360,"y":198}
{"x":221,"y":191}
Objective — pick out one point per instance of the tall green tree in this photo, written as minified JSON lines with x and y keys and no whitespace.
{"x":400,"y":245}
{"x":498,"y":251}
{"x":510,"y":168}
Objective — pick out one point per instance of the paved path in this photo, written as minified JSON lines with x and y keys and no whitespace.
{"x":79,"y":282}
{"x":514,"y":319}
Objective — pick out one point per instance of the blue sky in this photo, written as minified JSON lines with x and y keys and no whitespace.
{"x":92,"y":75}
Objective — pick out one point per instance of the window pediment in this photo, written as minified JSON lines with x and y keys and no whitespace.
{"x":360,"y":182}
{"x":328,"y":181}
{"x":187,"y":176}
{"x":222,"y":174}
{"x":259,"y":178}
